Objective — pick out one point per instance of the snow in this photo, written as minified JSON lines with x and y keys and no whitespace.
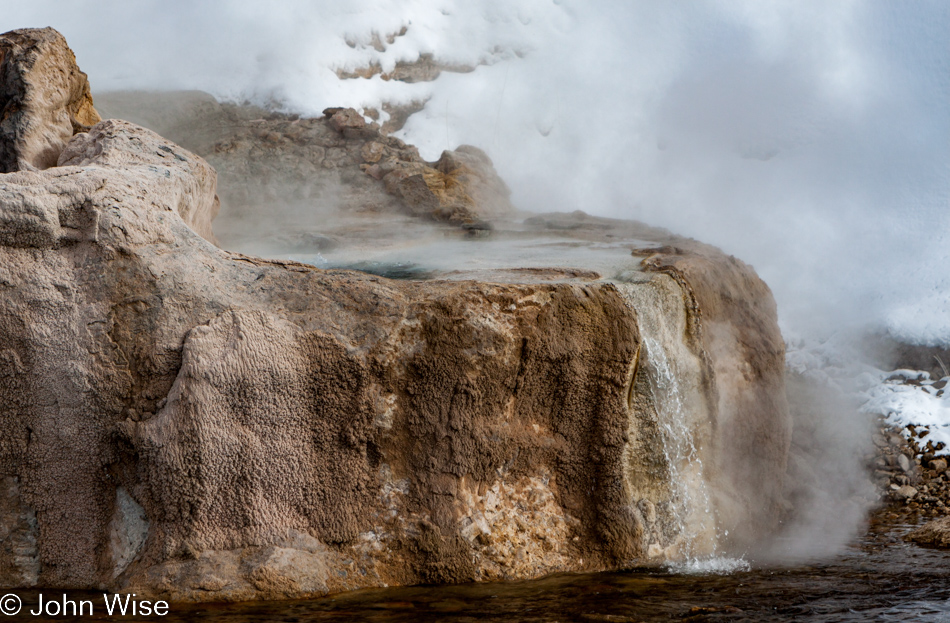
{"x":918,"y":403}
{"x":903,"y":397}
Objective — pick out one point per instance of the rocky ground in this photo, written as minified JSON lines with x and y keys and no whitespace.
{"x":912,"y":474}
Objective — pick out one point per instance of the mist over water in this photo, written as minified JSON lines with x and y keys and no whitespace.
{"x":811,"y":140}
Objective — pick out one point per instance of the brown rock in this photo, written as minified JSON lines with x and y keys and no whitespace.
{"x":44,"y":99}
{"x":181,"y":421}
{"x":905,"y":492}
{"x":462,"y":188}
{"x":219,"y":404}
{"x":472,"y":169}
{"x":734,"y":302}
{"x":935,"y":533}
{"x":347,"y":118}
{"x":372,"y":152}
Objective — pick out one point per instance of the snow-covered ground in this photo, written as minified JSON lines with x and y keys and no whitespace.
{"x":911,"y":398}
{"x":905,"y":398}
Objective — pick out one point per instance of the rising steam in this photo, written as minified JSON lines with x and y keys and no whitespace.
{"x":810,"y":139}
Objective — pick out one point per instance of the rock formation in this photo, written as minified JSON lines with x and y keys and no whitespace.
{"x":935,"y":533}
{"x":183,"y":421}
{"x":275,"y":168}
{"x":45,"y":99}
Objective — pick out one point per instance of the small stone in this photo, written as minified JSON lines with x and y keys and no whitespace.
{"x":939,"y":465}
{"x":904,"y":462}
{"x":906,"y":492}
{"x":372,"y":152}
{"x":347,"y":118}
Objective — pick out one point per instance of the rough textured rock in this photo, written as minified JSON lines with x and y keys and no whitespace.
{"x":461,"y":188}
{"x":183,"y":421}
{"x":44,"y":99}
{"x":734,"y":327}
{"x":282,"y":430}
{"x":239,"y":402}
{"x":934,"y":533}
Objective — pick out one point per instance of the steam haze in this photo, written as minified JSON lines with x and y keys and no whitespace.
{"x":810,"y":139}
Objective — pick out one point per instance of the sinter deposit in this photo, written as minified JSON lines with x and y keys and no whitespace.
{"x":184,"y":421}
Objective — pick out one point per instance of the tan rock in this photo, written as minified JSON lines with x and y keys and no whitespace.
{"x":372,"y":152}
{"x":462,"y":188}
{"x":45,"y":99}
{"x":934,"y":533}
{"x":905,"y":492}
{"x":237,"y":401}
{"x":181,"y":421}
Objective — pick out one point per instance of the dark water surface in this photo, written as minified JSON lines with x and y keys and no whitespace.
{"x":878,"y":578}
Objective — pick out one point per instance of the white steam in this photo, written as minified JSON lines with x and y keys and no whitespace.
{"x":810,"y":139}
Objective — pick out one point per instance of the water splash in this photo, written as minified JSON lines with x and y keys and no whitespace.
{"x":690,"y":502}
{"x":691,"y":507}
{"x":710,"y":565}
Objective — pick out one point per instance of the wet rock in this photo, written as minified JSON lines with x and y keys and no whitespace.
{"x":935,"y":533}
{"x":44,"y":99}
{"x":235,"y":400}
{"x":462,"y":188}
{"x":473,"y":170}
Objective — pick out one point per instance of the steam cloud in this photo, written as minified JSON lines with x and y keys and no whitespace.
{"x":811,"y":140}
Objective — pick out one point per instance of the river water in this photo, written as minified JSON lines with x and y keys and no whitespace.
{"x":879,"y":577}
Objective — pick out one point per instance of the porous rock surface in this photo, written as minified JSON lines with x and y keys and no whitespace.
{"x":935,"y":533}
{"x":182,"y":421}
{"x":44,"y":99}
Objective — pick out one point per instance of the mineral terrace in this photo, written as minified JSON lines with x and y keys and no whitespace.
{"x":186,"y":421}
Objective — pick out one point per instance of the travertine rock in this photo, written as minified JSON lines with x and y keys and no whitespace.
{"x":935,"y":533}
{"x":334,"y":176}
{"x":44,"y":99}
{"x":182,"y":421}
{"x":270,"y":426}
{"x":239,"y":402}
